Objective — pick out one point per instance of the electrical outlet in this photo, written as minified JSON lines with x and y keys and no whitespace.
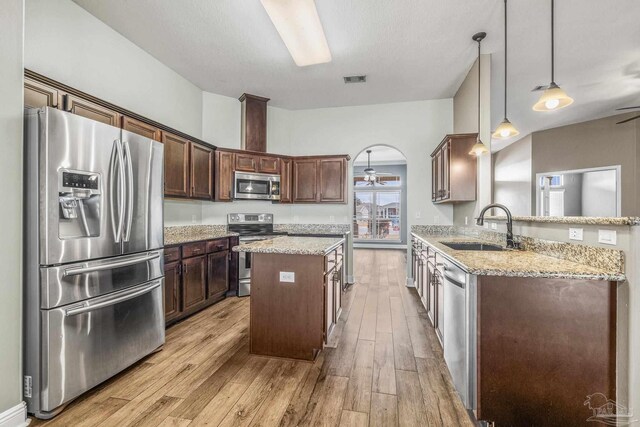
{"x":466,"y":220}
{"x":332,"y":218}
{"x":194,"y":219}
{"x":418,"y":214}
{"x":608,"y":237}
{"x":296,"y":218}
{"x":494,"y":226}
{"x":576,"y":234}
{"x":486,"y":225}
{"x":287,"y":276}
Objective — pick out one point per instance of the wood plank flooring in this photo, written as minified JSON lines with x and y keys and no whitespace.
{"x":383,"y":367}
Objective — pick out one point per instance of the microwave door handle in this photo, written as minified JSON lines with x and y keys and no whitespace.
{"x":110,"y":265}
{"x":129,"y":191}
{"x":112,"y":300}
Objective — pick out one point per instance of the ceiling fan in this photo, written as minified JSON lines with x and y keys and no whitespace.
{"x":631,"y":118}
{"x":370,"y":174}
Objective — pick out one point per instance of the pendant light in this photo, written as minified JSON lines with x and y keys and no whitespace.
{"x":553,"y":97}
{"x":505,"y":130}
{"x":479,"y":148}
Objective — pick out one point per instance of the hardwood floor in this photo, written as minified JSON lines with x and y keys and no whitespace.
{"x":384,"y":367}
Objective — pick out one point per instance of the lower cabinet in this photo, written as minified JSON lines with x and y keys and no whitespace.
{"x":197,"y":275}
{"x":217,"y":274}
{"x":333,"y":282}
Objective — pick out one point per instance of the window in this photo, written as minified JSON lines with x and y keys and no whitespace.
{"x":377,"y":209}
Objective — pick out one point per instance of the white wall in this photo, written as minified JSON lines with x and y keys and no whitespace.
{"x":11,"y":64}
{"x":512,"y":177}
{"x":414,"y":128}
{"x":68,"y":44}
{"x":599,"y":193}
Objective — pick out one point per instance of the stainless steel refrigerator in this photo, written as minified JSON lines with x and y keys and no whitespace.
{"x":93,"y":295}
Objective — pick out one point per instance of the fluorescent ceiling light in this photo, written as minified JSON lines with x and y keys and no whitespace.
{"x":299,"y":26}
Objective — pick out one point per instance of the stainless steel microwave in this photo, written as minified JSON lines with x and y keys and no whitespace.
{"x":256,"y":186}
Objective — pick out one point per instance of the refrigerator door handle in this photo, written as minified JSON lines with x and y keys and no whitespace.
{"x":113,"y":300}
{"x":116,"y":155}
{"x":111,"y":265}
{"x":129,"y":191}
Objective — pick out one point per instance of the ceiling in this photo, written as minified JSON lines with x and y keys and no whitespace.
{"x":409,"y":50}
{"x":381,"y":154}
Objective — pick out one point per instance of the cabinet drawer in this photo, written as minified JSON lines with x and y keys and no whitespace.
{"x":217,"y":245}
{"x":193,"y":249}
{"x":171,"y":254}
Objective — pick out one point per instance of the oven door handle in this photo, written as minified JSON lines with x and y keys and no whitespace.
{"x":120,"y":297}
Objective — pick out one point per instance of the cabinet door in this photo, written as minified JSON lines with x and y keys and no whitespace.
{"x":171,"y":290}
{"x":438,"y":173}
{"x":434,"y":178}
{"x":176,"y":165}
{"x":445,"y":163}
{"x":268,"y":165}
{"x":332,"y":180}
{"x":234,"y":265}
{"x":337,"y":294}
{"x":431,"y":290}
{"x":141,"y":128}
{"x":305,"y":180}
{"x":92,"y":111}
{"x":439,"y":284}
{"x":329,"y":305}
{"x":246,"y":163}
{"x":37,"y":95}
{"x":201,"y":172}
{"x":218,"y":274}
{"x":223,"y":172}
{"x":194,"y":280}
{"x":285,"y":180}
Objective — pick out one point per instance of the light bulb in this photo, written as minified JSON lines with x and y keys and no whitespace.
{"x":551,"y":103}
{"x":504,"y":133}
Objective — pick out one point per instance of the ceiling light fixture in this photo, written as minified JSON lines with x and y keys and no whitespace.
{"x":553,"y":97}
{"x":505,"y":130}
{"x":479,"y":148}
{"x":299,"y":26}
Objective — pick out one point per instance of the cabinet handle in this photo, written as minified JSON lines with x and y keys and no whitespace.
{"x":229,"y":194}
{"x":185,"y":270}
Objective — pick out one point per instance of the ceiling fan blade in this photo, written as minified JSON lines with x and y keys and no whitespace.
{"x":627,"y":108}
{"x":628,"y":120}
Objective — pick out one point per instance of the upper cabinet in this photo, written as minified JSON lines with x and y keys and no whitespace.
{"x":224,"y":166}
{"x":247,"y":162}
{"x":188,"y":168}
{"x":286,"y":171}
{"x":254,"y":123}
{"x":320,"y":179}
{"x":141,"y":128}
{"x":90,"y":110}
{"x":453,"y":170}
{"x":38,"y":95}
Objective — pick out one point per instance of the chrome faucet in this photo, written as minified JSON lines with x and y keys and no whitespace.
{"x":480,"y":221}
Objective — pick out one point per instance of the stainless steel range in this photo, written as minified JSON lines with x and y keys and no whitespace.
{"x":251,"y":227}
{"x":93,"y":255}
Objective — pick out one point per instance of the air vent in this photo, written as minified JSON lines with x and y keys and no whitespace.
{"x":355,"y":79}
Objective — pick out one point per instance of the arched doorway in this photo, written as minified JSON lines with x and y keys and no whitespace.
{"x":380,"y":197}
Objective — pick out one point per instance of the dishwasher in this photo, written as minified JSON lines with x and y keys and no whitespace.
{"x":460,"y":330}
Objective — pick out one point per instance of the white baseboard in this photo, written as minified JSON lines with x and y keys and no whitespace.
{"x":409,"y":282}
{"x":351,"y":279}
{"x":15,"y":416}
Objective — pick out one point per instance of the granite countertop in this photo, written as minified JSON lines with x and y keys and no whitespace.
{"x":291,"y":245}
{"x":584,"y":220}
{"x":194,"y":233}
{"x":515,"y":263}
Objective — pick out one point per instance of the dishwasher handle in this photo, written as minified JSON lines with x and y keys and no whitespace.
{"x":454,"y":279}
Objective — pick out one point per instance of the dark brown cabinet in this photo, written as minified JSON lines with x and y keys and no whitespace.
{"x":246,"y":162}
{"x":254,"y":123}
{"x":171,"y":290}
{"x":453,"y":169}
{"x":201,"y":167}
{"x":198,"y":274}
{"x":37,"y":95}
{"x":217,"y":274}
{"x":286,"y":166}
{"x":141,"y":128}
{"x":194,"y":276}
{"x":319,"y":180}
{"x":223,"y":171}
{"x":176,"y":165}
{"x":90,"y":110}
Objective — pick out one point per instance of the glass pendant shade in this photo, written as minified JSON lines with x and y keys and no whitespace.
{"x":505,"y":130}
{"x":554,"y":98}
{"x":478,"y":148}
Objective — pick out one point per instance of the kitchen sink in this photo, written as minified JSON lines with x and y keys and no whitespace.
{"x":464,"y":246}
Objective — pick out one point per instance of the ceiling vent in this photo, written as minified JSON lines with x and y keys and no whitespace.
{"x":355,"y":79}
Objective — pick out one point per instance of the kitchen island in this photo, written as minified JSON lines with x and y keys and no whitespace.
{"x":296,"y":294}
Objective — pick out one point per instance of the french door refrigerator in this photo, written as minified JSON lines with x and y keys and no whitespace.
{"x":93,"y":255}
